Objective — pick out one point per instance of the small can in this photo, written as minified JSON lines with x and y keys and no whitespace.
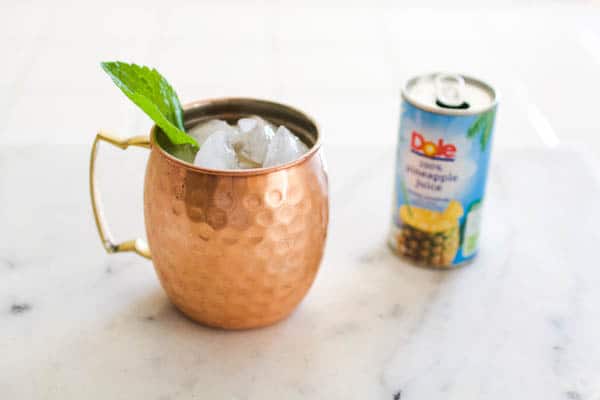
{"x":442,"y":159}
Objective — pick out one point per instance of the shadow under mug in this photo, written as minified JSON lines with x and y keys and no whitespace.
{"x":232,"y":249}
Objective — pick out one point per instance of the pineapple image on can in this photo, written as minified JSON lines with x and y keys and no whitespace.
{"x":430,"y":237}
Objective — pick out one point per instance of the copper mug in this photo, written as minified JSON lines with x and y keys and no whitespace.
{"x":232,"y":249}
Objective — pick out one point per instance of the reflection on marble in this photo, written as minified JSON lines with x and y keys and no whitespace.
{"x":521,"y":322}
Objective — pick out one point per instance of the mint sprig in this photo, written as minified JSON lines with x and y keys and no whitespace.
{"x":151,"y":92}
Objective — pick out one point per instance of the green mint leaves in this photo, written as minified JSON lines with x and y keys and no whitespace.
{"x":153,"y":94}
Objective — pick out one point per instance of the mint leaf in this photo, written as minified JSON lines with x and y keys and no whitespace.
{"x":153,"y":94}
{"x":185,"y":152}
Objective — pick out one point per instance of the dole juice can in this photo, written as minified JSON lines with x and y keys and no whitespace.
{"x":442,"y":159}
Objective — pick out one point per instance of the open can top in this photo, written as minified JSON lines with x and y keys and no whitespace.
{"x":450,"y":94}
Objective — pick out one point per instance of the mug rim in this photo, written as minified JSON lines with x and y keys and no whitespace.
{"x":240,"y":172}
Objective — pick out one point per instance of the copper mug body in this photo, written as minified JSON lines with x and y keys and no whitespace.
{"x":232,"y":249}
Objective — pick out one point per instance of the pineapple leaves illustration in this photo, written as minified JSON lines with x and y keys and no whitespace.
{"x":476,"y":126}
{"x":482,"y":127}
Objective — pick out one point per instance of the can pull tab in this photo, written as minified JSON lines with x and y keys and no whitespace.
{"x":449,"y":91}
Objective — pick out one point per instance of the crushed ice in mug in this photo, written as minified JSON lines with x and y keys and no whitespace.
{"x":217,"y":152}
{"x":283,"y":147}
{"x":201,"y":132}
{"x":252,"y":143}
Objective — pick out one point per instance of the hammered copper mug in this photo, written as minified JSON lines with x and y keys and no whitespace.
{"x":232,"y":249}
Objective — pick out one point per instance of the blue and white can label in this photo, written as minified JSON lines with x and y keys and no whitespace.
{"x":443,"y":153}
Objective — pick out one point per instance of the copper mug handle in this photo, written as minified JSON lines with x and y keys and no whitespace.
{"x":138,"y":245}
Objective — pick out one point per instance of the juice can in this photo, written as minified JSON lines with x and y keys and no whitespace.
{"x":443,"y":153}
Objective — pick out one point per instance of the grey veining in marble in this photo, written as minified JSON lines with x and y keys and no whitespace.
{"x":520,"y":322}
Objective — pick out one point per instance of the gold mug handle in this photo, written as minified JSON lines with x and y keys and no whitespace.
{"x":136,"y":245}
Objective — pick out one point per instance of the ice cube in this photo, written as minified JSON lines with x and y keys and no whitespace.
{"x":284,"y":147}
{"x":245,"y":125}
{"x":255,"y":135}
{"x":217,"y":152}
{"x":203,"y":130}
{"x":245,"y":163}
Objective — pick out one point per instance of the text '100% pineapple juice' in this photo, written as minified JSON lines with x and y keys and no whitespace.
{"x":442,"y":159}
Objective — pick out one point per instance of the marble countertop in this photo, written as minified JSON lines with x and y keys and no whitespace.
{"x":521,"y":322}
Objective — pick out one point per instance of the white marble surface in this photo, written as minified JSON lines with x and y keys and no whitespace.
{"x":522,"y":322}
